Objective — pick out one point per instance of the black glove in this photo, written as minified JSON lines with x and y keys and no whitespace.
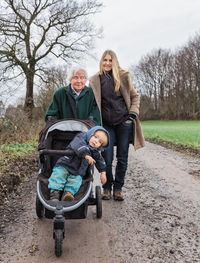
{"x":131,"y":117}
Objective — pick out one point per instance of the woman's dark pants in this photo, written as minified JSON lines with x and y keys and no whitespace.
{"x":121,"y":135}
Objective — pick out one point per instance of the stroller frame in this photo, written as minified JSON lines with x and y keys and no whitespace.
{"x":59,"y":211}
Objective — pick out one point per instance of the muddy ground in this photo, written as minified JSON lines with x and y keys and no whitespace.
{"x":158,"y":222}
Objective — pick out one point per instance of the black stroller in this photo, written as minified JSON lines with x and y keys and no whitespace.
{"x":52,"y":143}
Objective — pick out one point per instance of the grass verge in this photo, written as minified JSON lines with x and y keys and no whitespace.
{"x":15,"y":150}
{"x":179,"y":135}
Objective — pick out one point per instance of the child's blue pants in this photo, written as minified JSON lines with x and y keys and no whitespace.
{"x":62,"y":180}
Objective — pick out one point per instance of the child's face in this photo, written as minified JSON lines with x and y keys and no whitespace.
{"x":97,"y":139}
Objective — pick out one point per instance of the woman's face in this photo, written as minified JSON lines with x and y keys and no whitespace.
{"x":107,"y":63}
{"x":78,"y":81}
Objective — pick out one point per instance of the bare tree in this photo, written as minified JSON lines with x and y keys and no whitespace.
{"x":186,"y":81}
{"x":192,"y":58}
{"x":2,"y":108}
{"x":33,"y":33}
{"x":152,"y":74}
{"x":54,"y":78}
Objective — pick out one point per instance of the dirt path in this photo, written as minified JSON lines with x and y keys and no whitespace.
{"x":159,"y":221}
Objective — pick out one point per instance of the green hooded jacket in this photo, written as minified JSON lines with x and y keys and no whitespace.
{"x":65,"y":106}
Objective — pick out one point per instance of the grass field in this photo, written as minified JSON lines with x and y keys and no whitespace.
{"x":186,"y":133}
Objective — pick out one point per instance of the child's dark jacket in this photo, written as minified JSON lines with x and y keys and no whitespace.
{"x":77,"y":164}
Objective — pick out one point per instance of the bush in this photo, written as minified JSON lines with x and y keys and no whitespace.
{"x":16,"y":127}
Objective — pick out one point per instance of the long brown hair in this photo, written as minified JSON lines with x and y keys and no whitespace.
{"x":116,"y":70}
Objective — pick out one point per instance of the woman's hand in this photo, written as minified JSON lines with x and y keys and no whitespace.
{"x":131,"y":118}
{"x":103,"y":177}
{"x":128,"y":122}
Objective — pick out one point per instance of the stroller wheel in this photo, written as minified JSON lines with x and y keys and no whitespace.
{"x":98,"y":202}
{"x":39,"y":208}
{"x":58,"y":236}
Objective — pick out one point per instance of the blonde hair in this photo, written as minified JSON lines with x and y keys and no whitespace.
{"x":116,"y":70}
{"x":104,"y":137}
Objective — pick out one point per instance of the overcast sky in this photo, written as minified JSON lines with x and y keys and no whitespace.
{"x":133,"y":28}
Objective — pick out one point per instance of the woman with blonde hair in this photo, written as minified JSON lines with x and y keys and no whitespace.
{"x":118,"y":103}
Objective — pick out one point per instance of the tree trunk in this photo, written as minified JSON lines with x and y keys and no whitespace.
{"x":29,"y":102}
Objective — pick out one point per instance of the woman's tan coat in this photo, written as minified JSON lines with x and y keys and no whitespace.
{"x":131,"y":98}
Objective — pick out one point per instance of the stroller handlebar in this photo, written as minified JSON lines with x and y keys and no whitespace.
{"x":56,"y":152}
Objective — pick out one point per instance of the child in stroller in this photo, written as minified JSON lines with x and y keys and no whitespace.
{"x":68,"y":171}
{"x":53,"y":140}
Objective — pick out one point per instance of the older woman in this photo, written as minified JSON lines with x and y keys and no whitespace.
{"x":118,"y":103}
{"x":75,"y":100}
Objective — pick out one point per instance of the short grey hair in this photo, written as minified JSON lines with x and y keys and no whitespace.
{"x":76,"y":69}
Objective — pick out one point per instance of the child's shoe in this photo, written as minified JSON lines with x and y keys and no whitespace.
{"x":67,"y":196}
{"x":54,"y":196}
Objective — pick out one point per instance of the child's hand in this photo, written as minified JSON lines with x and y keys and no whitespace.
{"x":90,"y":160}
{"x":103,"y":177}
